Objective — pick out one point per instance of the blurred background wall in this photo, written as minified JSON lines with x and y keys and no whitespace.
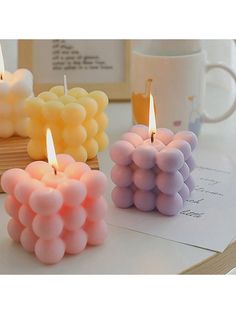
{"x":217,"y":50}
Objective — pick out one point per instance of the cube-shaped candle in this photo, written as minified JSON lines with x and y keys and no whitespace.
{"x":153,"y":175}
{"x":77,"y":120}
{"x":55,"y":213}
{"x":14,"y":89}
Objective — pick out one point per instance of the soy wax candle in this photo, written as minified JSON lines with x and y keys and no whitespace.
{"x":56,"y":208}
{"x":77,"y":119}
{"x":153,"y":168}
{"x":14,"y":89}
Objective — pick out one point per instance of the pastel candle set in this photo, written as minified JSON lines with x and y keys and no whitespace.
{"x":153,"y":176}
{"x":55,"y":208}
{"x":76,"y":118}
{"x":14,"y":89}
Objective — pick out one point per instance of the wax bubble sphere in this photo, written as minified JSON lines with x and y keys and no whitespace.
{"x":141,"y":130}
{"x":164,"y":135}
{"x":28,"y":240}
{"x":169,"y":183}
{"x":10,"y":178}
{"x":96,"y":209}
{"x":144,"y":179}
{"x":12,"y":206}
{"x":77,"y":120}
{"x":26,"y":216}
{"x":170,"y":159}
{"x":46,"y":201}
{"x":73,"y":192}
{"x":76,"y":170}
{"x":102,"y":121}
{"x":190,"y":183}
{"x":64,"y":160}
{"x":37,"y":169}
{"x":101,"y":99}
{"x":50,"y":251}
{"x":188,"y":136}
{"x":132,"y":138}
{"x":185,"y":171}
{"x":169,"y":204}
{"x":14,"y":229}
{"x":75,"y":241}
{"x":144,"y":200}
{"x":47,"y":227}
{"x":122,"y":197}
{"x":144,"y":157}
{"x":121,"y":153}
{"x":122,"y":175}
{"x":184,"y":192}
{"x":91,"y":147}
{"x":191,"y":163}
{"x":153,"y":173}
{"x":73,"y":113}
{"x":24,"y":189}
{"x":96,"y":231}
{"x":74,"y":218}
{"x":183,"y":146}
{"x":95,"y":182}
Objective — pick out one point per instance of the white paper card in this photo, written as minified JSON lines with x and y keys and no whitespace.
{"x":86,"y":61}
{"x":208,"y":219}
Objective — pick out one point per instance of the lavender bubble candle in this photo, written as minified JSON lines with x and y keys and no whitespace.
{"x":153,"y":168}
{"x":153,"y":176}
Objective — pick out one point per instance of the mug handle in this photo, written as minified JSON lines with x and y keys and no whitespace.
{"x":205,"y":115}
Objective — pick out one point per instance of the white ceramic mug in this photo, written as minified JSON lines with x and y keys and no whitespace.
{"x":178,"y":86}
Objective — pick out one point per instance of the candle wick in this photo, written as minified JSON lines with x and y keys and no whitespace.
{"x":65,"y":85}
{"x":148,"y":87}
{"x":152,"y":137}
{"x":1,"y":77}
{"x":55,"y":170}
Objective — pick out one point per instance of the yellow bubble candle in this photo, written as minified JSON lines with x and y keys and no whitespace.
{"x":76,"y":118}
{"x":14,"y":89}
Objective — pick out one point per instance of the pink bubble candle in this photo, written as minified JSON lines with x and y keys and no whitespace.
{"x":55,"y":208}
{"x":153,"y":168}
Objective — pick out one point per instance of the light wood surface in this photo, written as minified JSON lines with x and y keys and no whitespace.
{"x":220,"y":263}
{"x":13,"y":154}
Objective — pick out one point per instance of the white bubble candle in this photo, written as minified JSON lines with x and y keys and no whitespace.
{"x":14,"y":89}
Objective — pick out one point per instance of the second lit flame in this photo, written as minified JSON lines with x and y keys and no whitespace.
{"x":152,"y":119}
{"x":52,"y":159}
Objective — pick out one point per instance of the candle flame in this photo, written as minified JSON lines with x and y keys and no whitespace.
{"x":152,"y":118}
{"x":2,"y":67}
{"x":52,"y":159}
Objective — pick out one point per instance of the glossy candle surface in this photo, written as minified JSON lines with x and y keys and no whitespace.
{"x":153,"y":176}
{"x":55,"y":214}
{"x":77,"y":120}
{"x":14,"y":89}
